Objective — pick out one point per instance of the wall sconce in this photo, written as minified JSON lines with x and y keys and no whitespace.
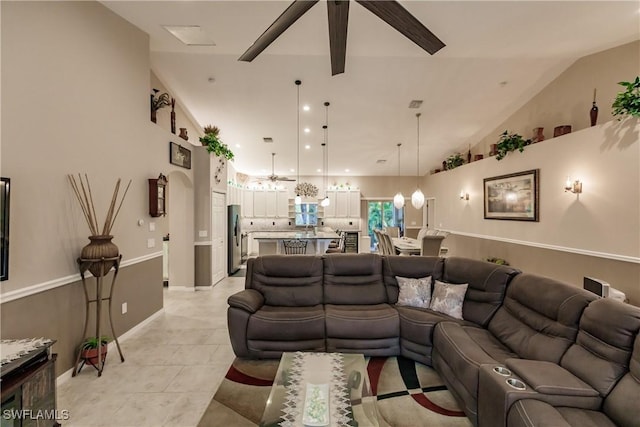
{"x":573,"y":186}
{"x":463,"y":195}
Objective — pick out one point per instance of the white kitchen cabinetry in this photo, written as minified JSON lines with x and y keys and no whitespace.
{"x":343,"y":204}
{"x":247,"y":204}
{"x":266,"y":204}
{"x":282,"y":202}
{"x":259,"y":204}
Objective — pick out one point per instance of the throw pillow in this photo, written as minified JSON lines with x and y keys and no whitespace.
{"x":448,"y":298}
{"x":414,"y":292}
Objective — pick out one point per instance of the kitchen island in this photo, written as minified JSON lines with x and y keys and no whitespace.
{"x":270,"y":242}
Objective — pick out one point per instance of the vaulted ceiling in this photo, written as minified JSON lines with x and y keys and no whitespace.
{"x":498,"y":55}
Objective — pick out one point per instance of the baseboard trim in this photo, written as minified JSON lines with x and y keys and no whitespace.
{"x":64,"y":377}
{"x":617,"y":257}
{"x":62,"y":281}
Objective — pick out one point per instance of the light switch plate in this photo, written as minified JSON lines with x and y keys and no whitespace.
{"x":152,"y":226}
{"x":124,"y":308}
{"x":202,"y":233}
{"x":151,"y":243}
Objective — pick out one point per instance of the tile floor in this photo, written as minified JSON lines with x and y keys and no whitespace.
{"x":167,"y":384}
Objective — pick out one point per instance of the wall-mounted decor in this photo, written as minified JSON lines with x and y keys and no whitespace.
{"x":4,"y":228}
{"x":512,"y":197}
{"x":179,"y":156}
{"x":158,"y":102}
{"x":158,"y":196}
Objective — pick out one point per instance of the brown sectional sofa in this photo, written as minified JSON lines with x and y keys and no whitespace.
{"x":570,"y":351}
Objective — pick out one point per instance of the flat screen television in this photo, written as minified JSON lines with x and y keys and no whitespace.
{"x":307,"y":214}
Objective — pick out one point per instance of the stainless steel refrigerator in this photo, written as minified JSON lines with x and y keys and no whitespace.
{"x":234,"y":239}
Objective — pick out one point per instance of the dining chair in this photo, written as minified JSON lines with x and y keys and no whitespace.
{"x":430,"y":245}
{"x":295,"y":247}
{"x":390,"y":248}
{"x":392,"y":231}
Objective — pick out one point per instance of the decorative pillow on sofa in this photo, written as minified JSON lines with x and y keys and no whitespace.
{"x":448,"y":298}
{"x":414,"y":292}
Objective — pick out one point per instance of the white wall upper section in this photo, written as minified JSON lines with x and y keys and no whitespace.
{"x":75,"y":98}
{"x":604,"y":218}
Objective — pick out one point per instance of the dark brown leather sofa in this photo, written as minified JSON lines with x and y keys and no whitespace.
{"x":569,"y":351}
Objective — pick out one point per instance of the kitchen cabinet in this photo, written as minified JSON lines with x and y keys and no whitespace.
{"x":343,"y":204}
{"x":266,"y":204}
{"x":247,"y":204}
{"x":259,"y":204}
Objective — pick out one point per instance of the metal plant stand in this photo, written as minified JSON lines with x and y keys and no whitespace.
{"x":104,"y":264}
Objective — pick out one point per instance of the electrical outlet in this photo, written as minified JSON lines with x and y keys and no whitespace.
{"x":152,"y":226}
{"x":151,"y":243}
{"x":202,"y":233}
{"x":124,"y":308}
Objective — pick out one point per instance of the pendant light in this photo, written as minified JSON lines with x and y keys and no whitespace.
{"x":398,"y":199}
{"x":417,"y":198}
{"x":325,"y":157}
{"x":298,"y":199}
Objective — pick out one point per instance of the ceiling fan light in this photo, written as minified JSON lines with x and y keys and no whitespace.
{"x":398,"y":200}
{"x":298,"y":200}
{"x":417,"y":199}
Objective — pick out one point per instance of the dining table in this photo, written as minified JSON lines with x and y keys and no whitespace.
{"x":406,"y":245}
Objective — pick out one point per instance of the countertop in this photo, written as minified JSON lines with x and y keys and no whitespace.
{"x":306,"y":235}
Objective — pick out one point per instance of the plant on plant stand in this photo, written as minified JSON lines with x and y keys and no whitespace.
{"x":158,"y":102}
{"x":627,"y":103}
{"x":214,"y":144}
{"x":89,"y":350}
{"x":454,"y":160}
{"x":510,"y":142}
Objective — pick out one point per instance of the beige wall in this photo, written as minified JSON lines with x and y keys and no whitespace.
{"x":568,"y":99}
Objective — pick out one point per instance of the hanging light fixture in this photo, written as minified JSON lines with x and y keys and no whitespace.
{"x":398,"y":199}
{"x":417,"y":198}
{"x":325,"y":157}
{"x":298,"y":199}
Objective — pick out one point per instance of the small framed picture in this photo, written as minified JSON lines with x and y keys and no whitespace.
{"x":512,"y":197}
{"x":179,"y":156}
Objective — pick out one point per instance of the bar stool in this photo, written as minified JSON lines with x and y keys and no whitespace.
{"x":295,"y":247}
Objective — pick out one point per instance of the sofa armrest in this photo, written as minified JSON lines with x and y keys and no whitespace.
{"x":525,"y":413}
{"x":549,"y":378}
{"x":248,"y":299}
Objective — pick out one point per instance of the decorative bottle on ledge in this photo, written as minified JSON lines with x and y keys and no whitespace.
{"x":593,"y":114}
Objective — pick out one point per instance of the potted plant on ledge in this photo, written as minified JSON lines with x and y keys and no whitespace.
{"x":214,"y":144}
{"x":627,"y":103}
{"x":89,"y":350}
{"x":510,"y":142}
{"x":454,"y":160}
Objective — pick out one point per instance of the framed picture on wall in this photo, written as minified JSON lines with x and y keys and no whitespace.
{"x":512,"y":197}
{"x":5,"y":184}
{"x":179,"y":156}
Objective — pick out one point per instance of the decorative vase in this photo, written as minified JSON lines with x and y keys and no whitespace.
{"x":494,"y":150}
{"x":153,"y":112}
{"x":593,"y":114}
{"x":98,"y":248}
{"x":444,"y":166}
{"x":183,"y":134}
{"x":477,"y":157}
{"x":561,"y":130}
{"x":469,"y":156}
{"x":538,"y":136}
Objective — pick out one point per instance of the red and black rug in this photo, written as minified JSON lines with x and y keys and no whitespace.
{"x":409,"y":394}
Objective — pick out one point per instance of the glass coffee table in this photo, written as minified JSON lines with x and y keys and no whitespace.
{"x":321,"y":389}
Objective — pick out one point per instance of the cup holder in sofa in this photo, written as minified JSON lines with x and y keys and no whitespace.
{"x":516,"y":383}
{"x":501,"y":370}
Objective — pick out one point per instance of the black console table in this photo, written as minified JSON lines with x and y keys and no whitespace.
{"x":104,"y":266}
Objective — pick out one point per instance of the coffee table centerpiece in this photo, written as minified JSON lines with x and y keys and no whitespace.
{"x":321,"y":389}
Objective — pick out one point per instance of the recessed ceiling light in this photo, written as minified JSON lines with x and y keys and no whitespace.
{"x":292,"y":170}
{"x":308,"y":147}
{"x":347,"y":170}
{"x":318,"y":170}
{"x":307,"y":130}
{"x":238,"y":145}
{"x":306,"y":107}
{"x":191,"y":35}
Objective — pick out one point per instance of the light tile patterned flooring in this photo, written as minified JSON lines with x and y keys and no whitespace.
{"x":172,"y":367}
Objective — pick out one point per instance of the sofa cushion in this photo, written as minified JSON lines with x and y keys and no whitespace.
{"x":362,"y":321}
{"x":539,"y":317}
{"x":490,"y":344}
{"x":287,"y":323}
{"x":585,"y":418}
{"x":535,"y":413}
{"x":414,"y":292}
{"x":487,"y":285}
{"x":408,"y":266}
{"x":603,"y":347}
{"x":621,"y":405}
{"x":448,"y":298}
{"x":353,"y":279}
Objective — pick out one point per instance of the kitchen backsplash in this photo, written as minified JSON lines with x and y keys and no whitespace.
{"x":275,"y":224}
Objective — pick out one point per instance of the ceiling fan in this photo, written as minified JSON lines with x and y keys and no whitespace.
{"x":273,"y":177}
{"x":390,"y":11}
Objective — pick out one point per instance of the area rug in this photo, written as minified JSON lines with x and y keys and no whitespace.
{"x":408,"y":393}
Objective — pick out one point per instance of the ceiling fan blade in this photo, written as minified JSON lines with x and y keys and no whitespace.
{"x":392,"y":12}
{"x":283,"y":178}
{"x":284,"y":21}
{"x":338,"y":13}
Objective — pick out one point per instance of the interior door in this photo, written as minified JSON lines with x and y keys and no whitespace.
{"x":218,"y":236}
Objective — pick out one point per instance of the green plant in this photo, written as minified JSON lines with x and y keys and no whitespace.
{"x":159,"y":101}
{"x":454,"y":160}
{"x":214,"y":144}
{"x":498,"y":261}
{"x":628,"y":102}
{"x":92,"y":342}
{"x":510,"y":142}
